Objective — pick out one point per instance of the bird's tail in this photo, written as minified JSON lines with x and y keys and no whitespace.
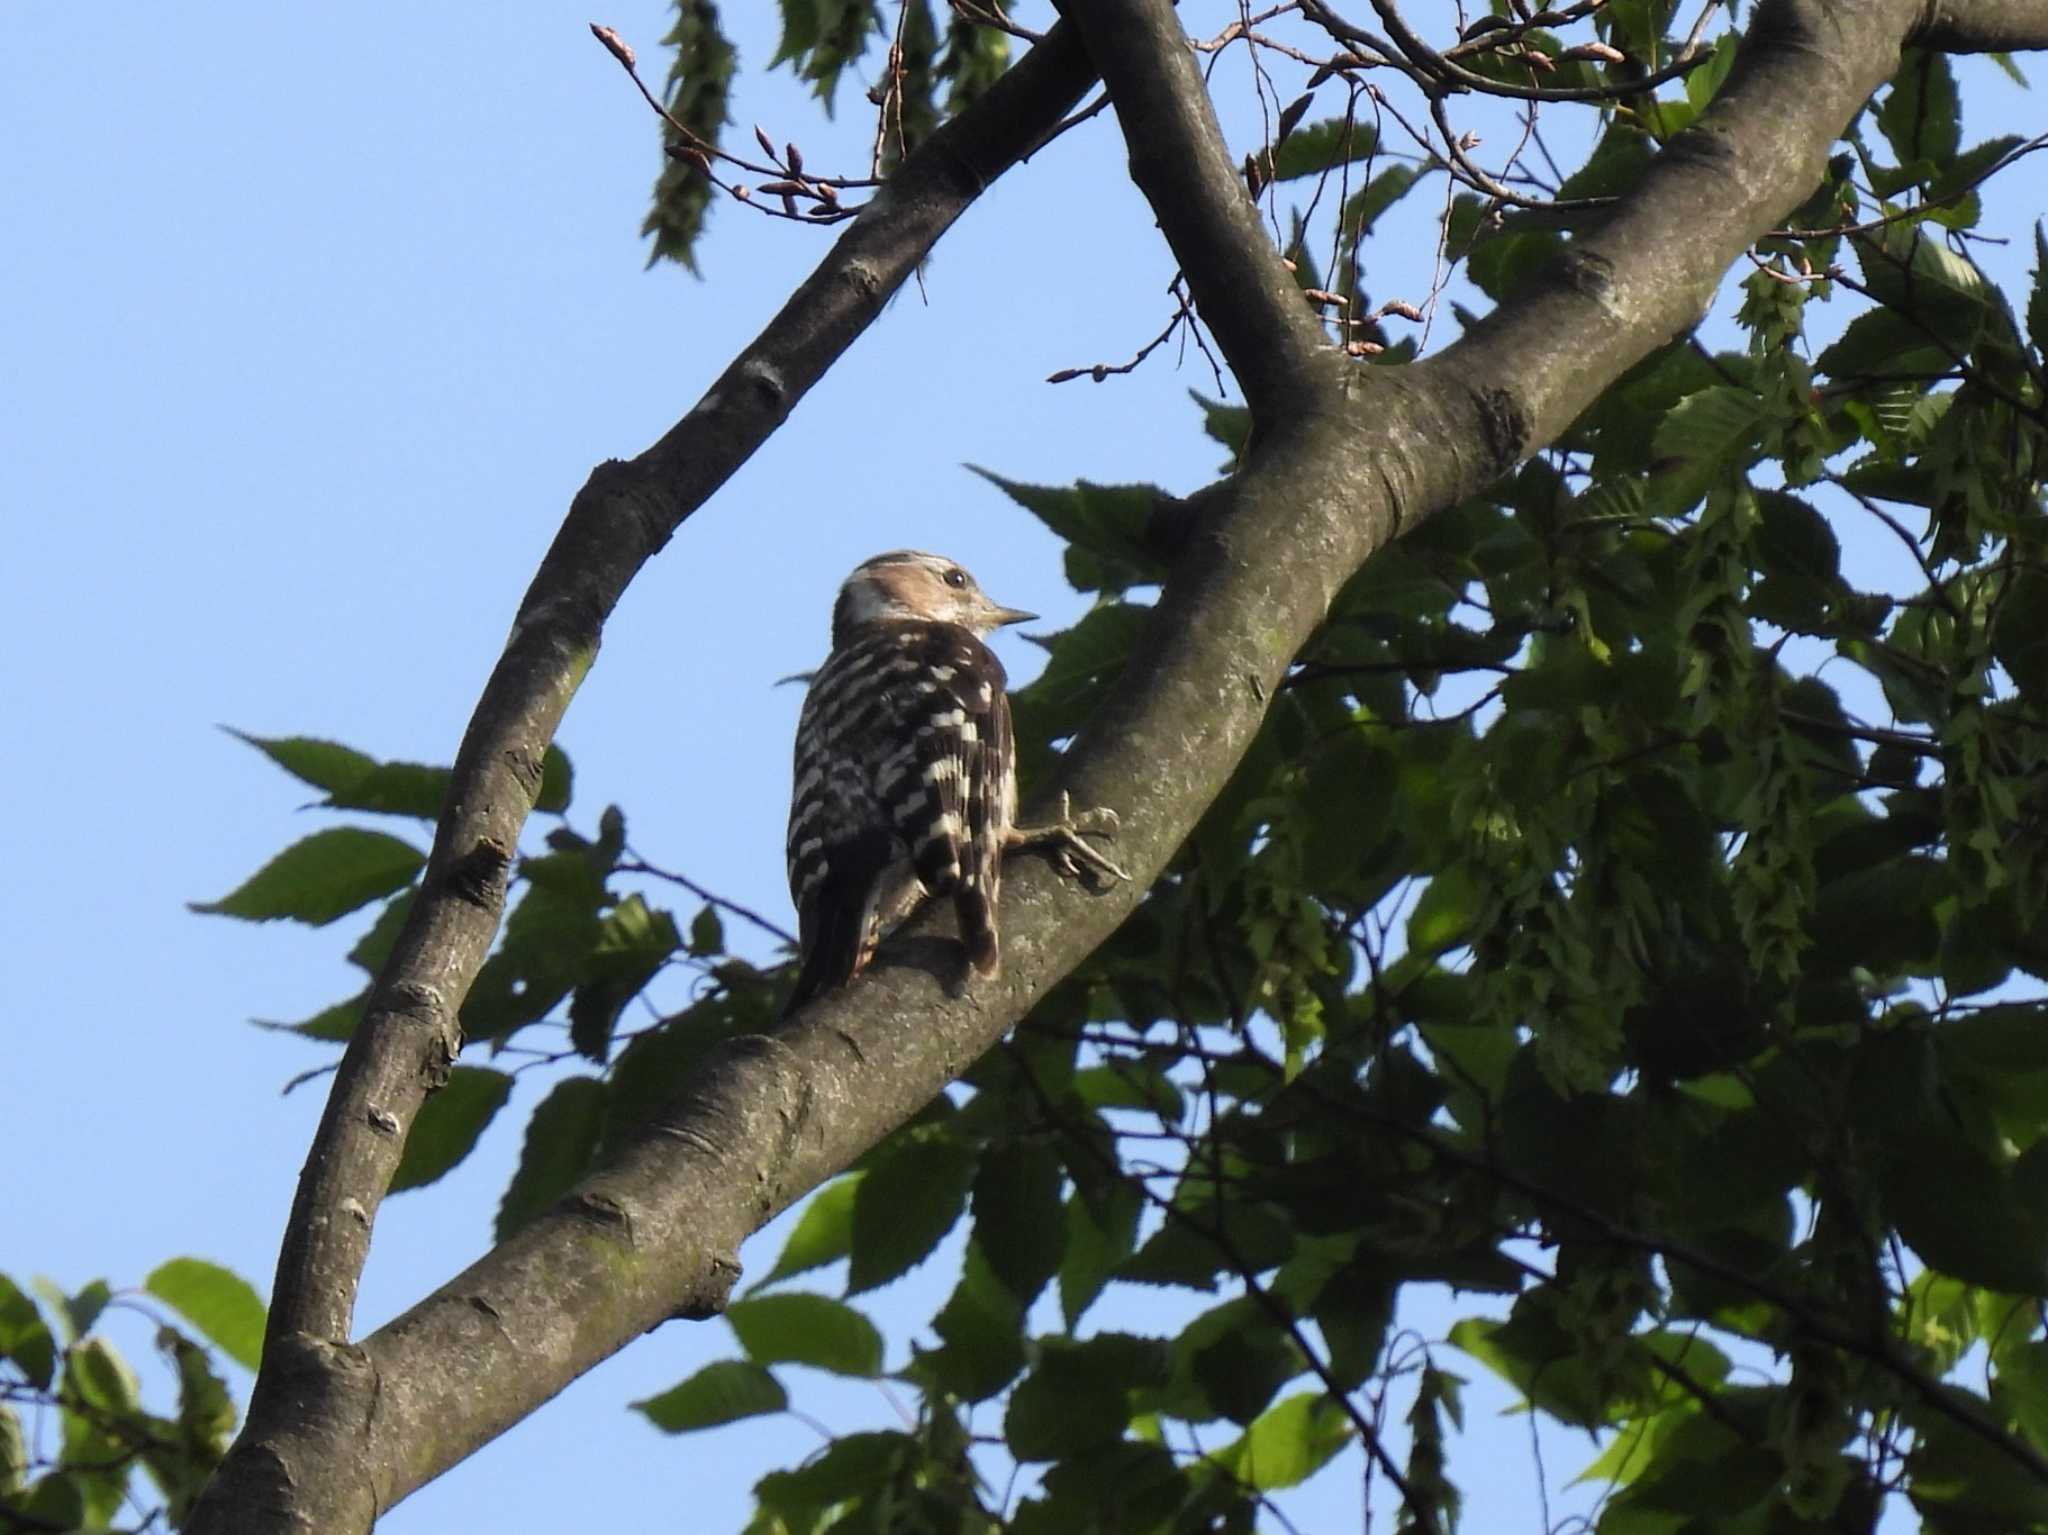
{"x":838,"y":940}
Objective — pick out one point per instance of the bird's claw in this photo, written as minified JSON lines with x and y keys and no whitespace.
{"x":1070,"y":851}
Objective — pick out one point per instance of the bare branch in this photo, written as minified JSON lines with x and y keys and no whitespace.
{"x":1269,"y":336}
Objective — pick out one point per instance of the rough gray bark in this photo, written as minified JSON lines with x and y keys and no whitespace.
{"x":1346,"y":458}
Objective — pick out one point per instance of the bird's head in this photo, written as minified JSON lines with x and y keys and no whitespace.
{"x":907,"y":583}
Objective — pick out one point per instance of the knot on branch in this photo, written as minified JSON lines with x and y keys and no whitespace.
{"x":479,"y":876}
{"x":708,"y":1297}
{"x":602,"y":1211}
{"x":1504,"y":427}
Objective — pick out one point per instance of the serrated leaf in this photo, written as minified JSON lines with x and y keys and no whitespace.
{"x":1079,"y":1395}
{"x":1885,"y":341}
{"x":331,"y":1025}
{"x":981,"y":1329}
{"x":2019,"y":639}
{"x":220,"y":1303}
{"x":1323,"y":146}
{"x":1110,"y":522}
{"x":561,"y":1145}
{"x":2037,"y":299}
{"x":449,"y":1124}
{"x":724,"y":1391}
{"x":699,"y":90}
{"x":1714,"y":426}
{"x":908,"y":1201}
{"x":326,"y":765}
{"x":1100,"y":1235}
{"x":1018,"y":1221}
{"x":823,"y":1233}
{"x":802,"y":1328}
{"x":322,"y":877}
{"x":1922,"y":115}
{"x":853,"y":1466}
{"x":1288,"y":1443}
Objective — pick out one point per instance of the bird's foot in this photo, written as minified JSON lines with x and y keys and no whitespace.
{"x":1066,"y":843}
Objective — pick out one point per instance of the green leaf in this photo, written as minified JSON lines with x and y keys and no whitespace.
{"x":1446,"y":911}
{"x":1322,"y":146}
{"x":331,"y":1025}
{"x":355,"y":781}
{"x":1883,"y":341}
{"x":1909,"y":269}
{"x":801,"y":1328}
{"x":1962,"y":1481}
{"x":75,"y":1313}
{"x":449,"y":1123}
{"x":1797,"y":558}
{"x":2037,"y":297}
{"x":557,"y":782}
{"x":325,"y":876}
{"x":632,"y":945}
{"x":823,"y":1233}
{"x":1288,"y":1444}
{"x":220,"y":1303}
{"x":699,"y":92}
{"x":1240,"y":1371}
{"x":1099,"y":1237}
{"x":853,"y":1467}
{"x":981,"y":1330}
{"x":1079,"y":1394}
{"x":561,"y":1146}
{"x":1921,"y":116}
{"x":909,"y":1200}
{"x":325,"y":765}
{"x":14,"y":1454}
{"x":2019,"y":639}
{"x":24,"y":1337}
{"x":1705,"y":434}
{"x":722,"y":1392}
{"x":1109,"y":522}
{"x":1018,"y":1221}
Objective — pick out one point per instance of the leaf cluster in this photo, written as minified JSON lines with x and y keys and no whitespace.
{"x":1630,"y":917}
{"x":79,"y":1447}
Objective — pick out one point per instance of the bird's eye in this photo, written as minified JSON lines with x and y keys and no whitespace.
{"x":956,"y":578}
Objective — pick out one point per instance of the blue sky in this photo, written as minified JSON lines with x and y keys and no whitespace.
{"x":314,"y":320}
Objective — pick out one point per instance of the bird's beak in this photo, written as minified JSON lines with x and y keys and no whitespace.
{"x":1007,"y":616}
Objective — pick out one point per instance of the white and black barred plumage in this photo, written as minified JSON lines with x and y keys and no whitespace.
{"x":906,"y":778}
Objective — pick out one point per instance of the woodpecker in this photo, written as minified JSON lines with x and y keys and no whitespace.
{"x":906,"y":772}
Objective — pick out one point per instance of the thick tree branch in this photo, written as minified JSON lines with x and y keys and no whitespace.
{"x":1245,"y":294}
{"x":1982,"y":26}
{"x":338,"y":1433}
{"x":313,"y":1384}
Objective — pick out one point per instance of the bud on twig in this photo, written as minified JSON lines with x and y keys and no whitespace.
{"x":614,"y":44}
{"x":767,"y":144}
{"x":795,"y":161}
